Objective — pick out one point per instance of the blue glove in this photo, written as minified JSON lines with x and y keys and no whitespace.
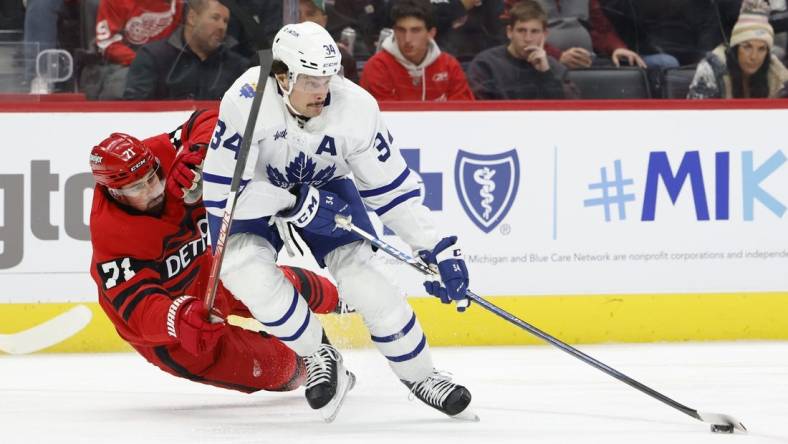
{"x":314,"y":211}
{"x":447,"y":258}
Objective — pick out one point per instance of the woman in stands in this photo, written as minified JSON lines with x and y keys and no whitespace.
{"x":745,"y":69}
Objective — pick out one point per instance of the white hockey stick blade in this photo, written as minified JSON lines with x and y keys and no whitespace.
{"x":467,"y":415}
{"x":48,"y":333}
{"x":250,"y":324}
{"x":721,"y":419}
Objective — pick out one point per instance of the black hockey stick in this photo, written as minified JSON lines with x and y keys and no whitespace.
{"x":719,"y":422}
{"x":266,"y":60}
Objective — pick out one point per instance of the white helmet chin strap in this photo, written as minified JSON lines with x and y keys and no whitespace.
{"x":286,"y":94}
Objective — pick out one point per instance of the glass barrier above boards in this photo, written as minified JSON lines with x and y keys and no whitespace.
{"x":404,"y":50}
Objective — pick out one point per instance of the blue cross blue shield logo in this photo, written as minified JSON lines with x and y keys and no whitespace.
{"x":487,"y":185}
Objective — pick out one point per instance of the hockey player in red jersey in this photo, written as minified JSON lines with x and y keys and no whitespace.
{"x":151,"y":263}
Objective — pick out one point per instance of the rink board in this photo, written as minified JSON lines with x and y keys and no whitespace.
{"x":573,"y":319}
{"x":659,"y":231}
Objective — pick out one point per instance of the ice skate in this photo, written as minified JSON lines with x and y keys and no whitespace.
{"x":327,"y":381}
{"x":437,"y":391}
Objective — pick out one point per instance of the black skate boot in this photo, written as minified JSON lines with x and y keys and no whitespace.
{"x":327,"y":381}
{"x":437,"y":391}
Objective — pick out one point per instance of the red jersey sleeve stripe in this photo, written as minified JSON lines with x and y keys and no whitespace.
{"x":121,"y":297}
{"x":127,"y":312}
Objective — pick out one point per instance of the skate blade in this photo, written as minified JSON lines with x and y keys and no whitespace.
{"x":331,"y":410}
{"x":466,"y":415}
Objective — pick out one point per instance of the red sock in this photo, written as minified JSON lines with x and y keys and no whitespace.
{"x":319,"y":292}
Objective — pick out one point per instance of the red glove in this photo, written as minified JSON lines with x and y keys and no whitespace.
{"x":186,"y":321}
{"x":185,"y":173}
{"x":186,"y":170}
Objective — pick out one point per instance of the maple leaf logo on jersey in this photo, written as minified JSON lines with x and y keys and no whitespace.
{"x":248,"y":90}
{"x":300,"y":170}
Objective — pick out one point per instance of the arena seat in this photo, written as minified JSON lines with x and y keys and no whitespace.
{"x":610,"y":83}
{"x":676,"y":82}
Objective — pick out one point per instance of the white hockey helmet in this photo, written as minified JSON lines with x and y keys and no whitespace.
{"x":306,"y":48}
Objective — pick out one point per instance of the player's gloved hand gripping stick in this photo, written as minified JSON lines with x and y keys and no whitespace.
{"x":719,"y":422}
{"x":445,"y":260}
{"x":185,"y":174}
{"x":187,"y":321}
{"x":315,"y":211}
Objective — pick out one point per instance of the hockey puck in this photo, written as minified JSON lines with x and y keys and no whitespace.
{"x":720,"y":428}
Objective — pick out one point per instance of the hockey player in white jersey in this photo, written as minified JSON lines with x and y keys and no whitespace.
{"x":320,"y":148}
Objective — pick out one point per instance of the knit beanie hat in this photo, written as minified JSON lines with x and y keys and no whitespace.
{"x":753,"y":23}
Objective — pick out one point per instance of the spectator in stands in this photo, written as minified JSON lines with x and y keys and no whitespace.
{"x":312,"y":11}
{"x":40,"y":33}
{"x":253,"y":23}
{"x":473,"y":26}
{"x":192,"y":63}
{"x":411,"y":66}
{"x":122,"y":26}
{"x":746,"y":69}
{"x":681,"y":29}
{"x":580,"y":30}
{"x":365,"y":17}
{"x":522,"y":69}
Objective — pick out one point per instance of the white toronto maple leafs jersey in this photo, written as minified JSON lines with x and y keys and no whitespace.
{"x":348,"y":139}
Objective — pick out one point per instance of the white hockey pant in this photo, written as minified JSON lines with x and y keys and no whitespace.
{"x":391,"y":322}
{"x":249,"y":271}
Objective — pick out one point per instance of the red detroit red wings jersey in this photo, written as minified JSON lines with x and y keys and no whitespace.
{"x":141,"y":263}
{"x":122,"y":25}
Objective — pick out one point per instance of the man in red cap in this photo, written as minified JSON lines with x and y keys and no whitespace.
{"x":151,"y":264}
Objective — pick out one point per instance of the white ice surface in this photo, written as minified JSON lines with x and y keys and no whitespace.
{"x":522,"y":394}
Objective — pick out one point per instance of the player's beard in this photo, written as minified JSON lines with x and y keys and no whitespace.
{"x":156,"y":205}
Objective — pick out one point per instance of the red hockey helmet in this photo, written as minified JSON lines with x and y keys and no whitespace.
{"x":121,"y":159}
